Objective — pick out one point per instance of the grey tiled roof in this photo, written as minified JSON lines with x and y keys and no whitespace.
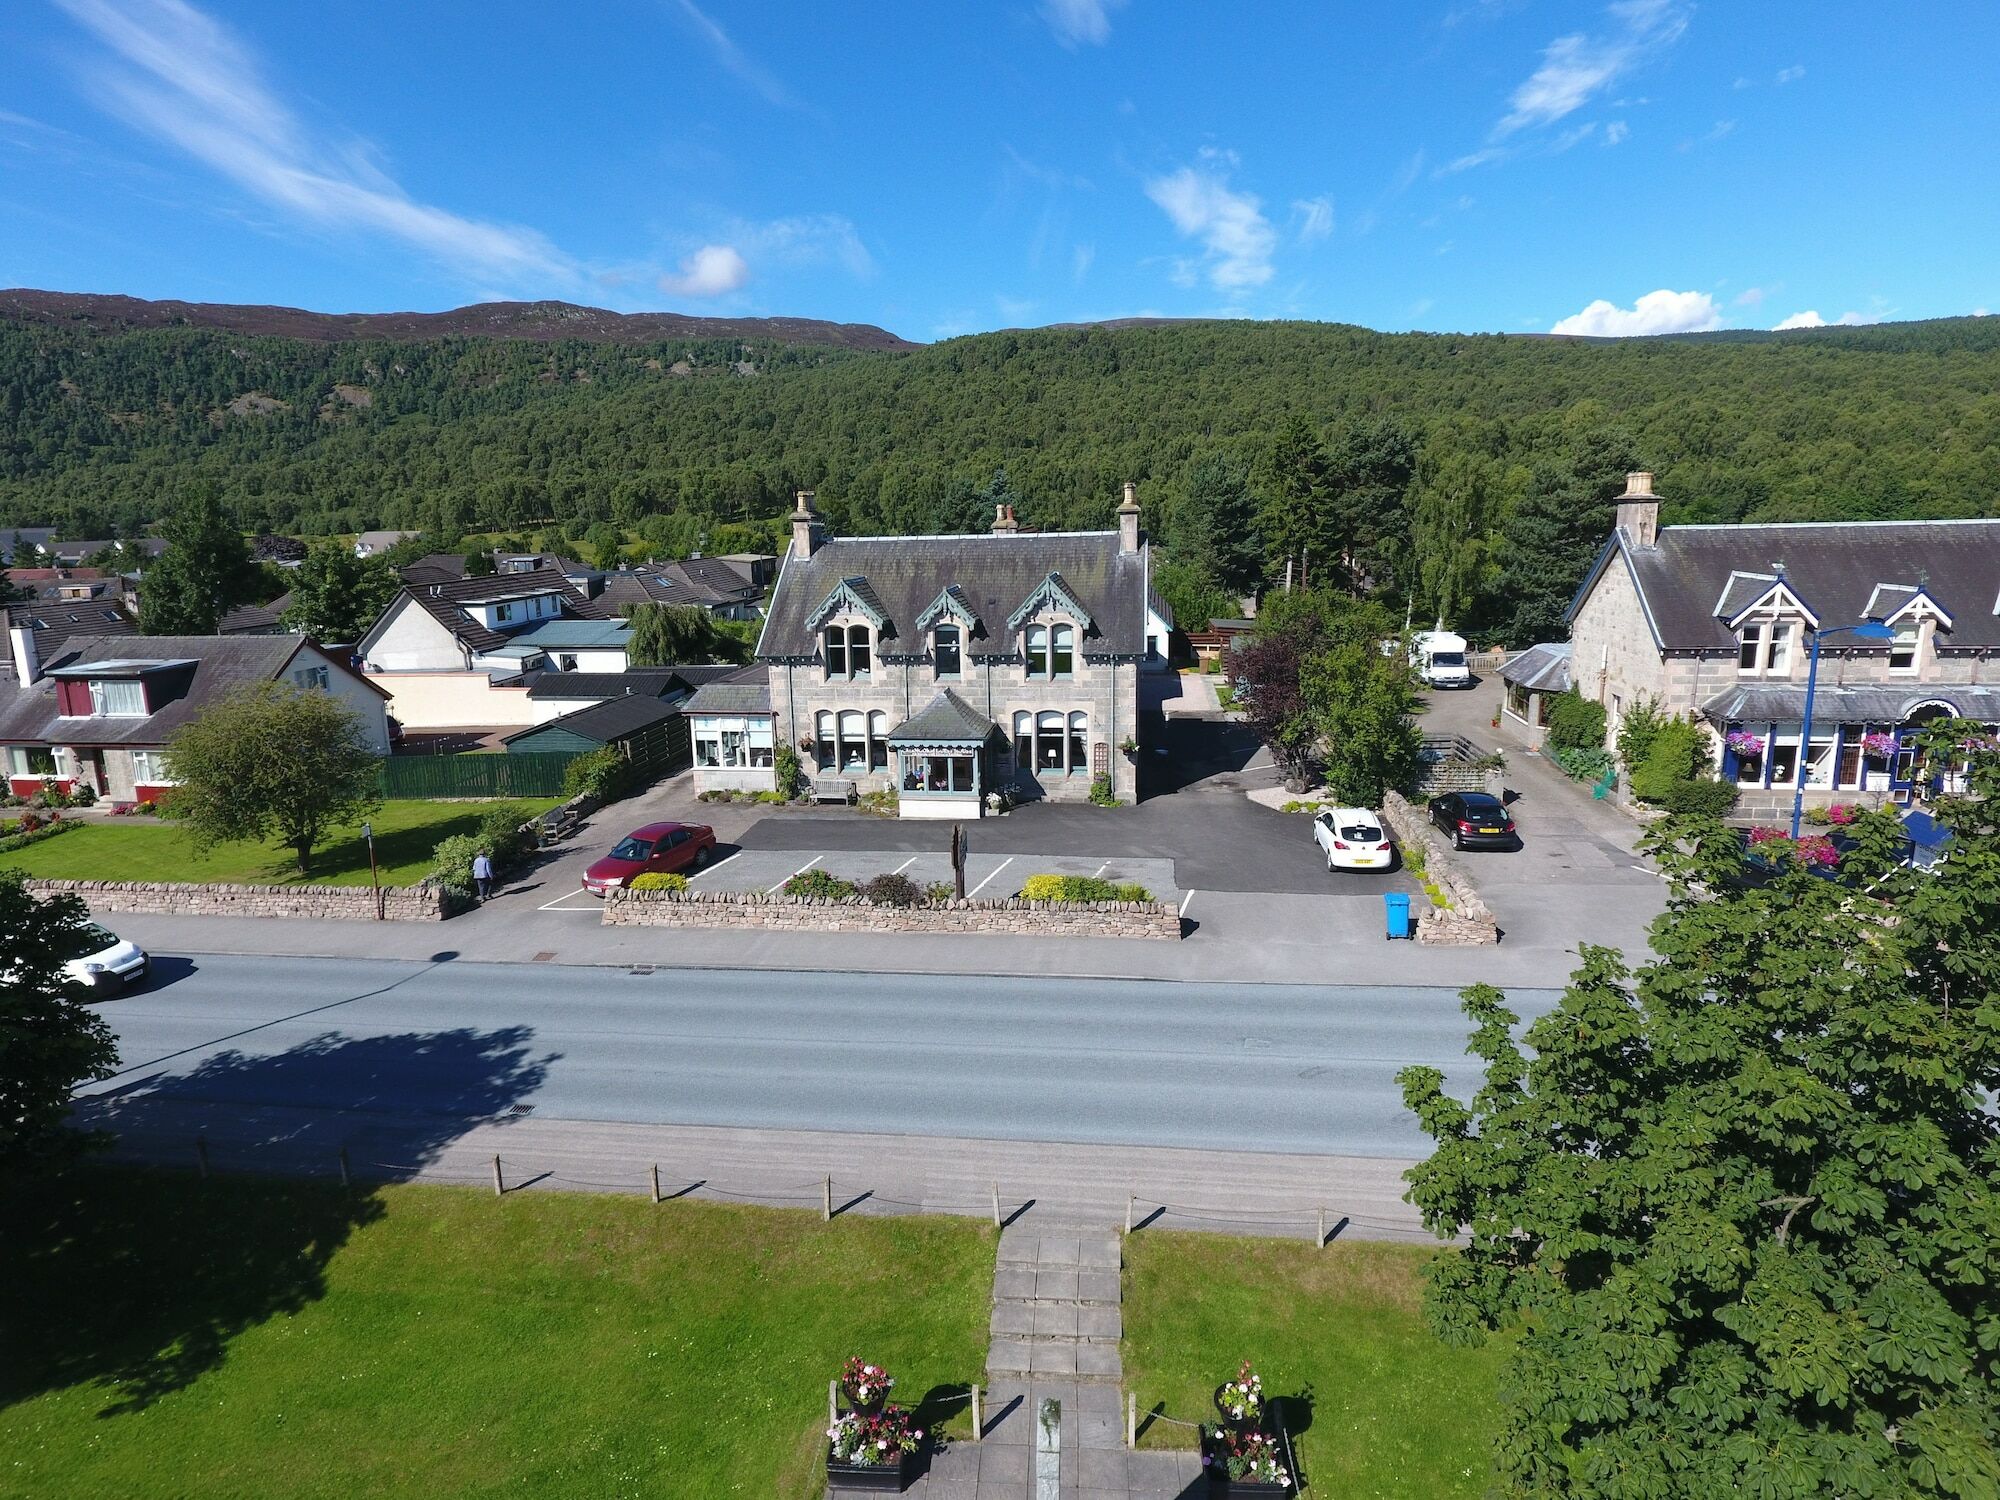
{"x":648,"y":682}
{"x":996,"y":573}
{"x":946,"y":719}
{"x":440,"y":600}
{"x":1758,"y":703}
{"x":1834,"y":567}
{"x":1540,"y":669}
{"x":609,"y":721}
{"x":746,"y":690}
{"x":55,"y":622}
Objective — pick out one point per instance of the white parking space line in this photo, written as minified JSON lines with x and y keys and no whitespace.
{"x":712,"y":868}
{"x":1186,"y":901}
{"x":557,"y":904}
{"x":984,"y":883}
{"x":799,"y":871}
{"x":904,"y":865}
{"x":1101,"y":869}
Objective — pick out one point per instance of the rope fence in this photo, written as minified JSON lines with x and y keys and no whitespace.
{"x":506,"y":1175}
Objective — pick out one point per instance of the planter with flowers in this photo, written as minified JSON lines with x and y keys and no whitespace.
{"x":865,"y":1387}
{"x":1745,"y":745}
{"x":1245,"y":1453}
{"x":1879,"y":747}
{"x":870,"y":1453}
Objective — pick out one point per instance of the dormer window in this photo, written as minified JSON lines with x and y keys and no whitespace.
{"x":1765,"y":647}
{"x":847,"y":652}
{"x":115,"y":699}
{"x":947,"y":650}
{"x":1050,"y":650}
{"x":1903,"y":649}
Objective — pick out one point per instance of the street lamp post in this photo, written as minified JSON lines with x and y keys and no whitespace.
{"x":1867,"y":630}
{"x":374,"y":874}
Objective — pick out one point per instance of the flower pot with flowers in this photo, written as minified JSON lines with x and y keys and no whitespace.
{"x":865,"y":1387}
{"x":1244,"y":1463}
{"x":1241,"y":1401}
{"x":1745,"y":745}
{"x":1880,"y":748}
{"x":870,"y":1452}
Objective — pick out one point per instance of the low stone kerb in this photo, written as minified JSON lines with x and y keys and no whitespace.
{"x":757,"y":909}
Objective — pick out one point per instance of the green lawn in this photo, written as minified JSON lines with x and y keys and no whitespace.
{"x":144,"y":848}
{"x":246,"y":1338}
{"x":1381,"y":1408}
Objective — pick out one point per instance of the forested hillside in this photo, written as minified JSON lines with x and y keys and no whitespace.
{"x":1470,"y":473}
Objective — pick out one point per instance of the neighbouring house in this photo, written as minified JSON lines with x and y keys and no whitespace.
{"x":129,"y":553}
{"x":759,"y":567}
{"x":649,"y":732}
{"x":433,"y":567}
{"x":1214,"y":642}
{"x":579,"y":645}
{"x":711,"y":583}
{"x":25,"y":540}
{"x":1531,"y":679}
{"x":256,"y":619}
{"x":553,"y":694}
{"x":102,"y":709}
{"x":453,"y":655}
{"x":63,"y":583}
{"x":371,"y":542}
{"x":1719,"y":621}
{"x":729,"y":720}
{"x":948,"y":667}
{"x":54,"y":621}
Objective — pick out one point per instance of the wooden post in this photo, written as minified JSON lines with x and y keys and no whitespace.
{"x":832,"y":1402}
{"x":1322,"y":1229}
{"x":826,"y":1198}
{"x":978,"y":1417}
{"x":1130,"y":1199}
{"x":996,"y":1209}
{"x":499,"y":1185}
{"x":656,"y":1182}
{"x":1131,"y":1419}
{"x":346,"y":1173}
{"x":201,"y":1153}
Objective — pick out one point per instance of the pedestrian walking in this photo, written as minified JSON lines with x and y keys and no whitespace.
{"x":482,"y":874}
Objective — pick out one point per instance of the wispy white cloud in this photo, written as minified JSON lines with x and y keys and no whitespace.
{"x":1615,"y":132}
{"x":712,"y":271}
{"x":734,"y":58}
{"x":1574,"y":136}
{"x":1314,"y":217}
{"x":1013,"y":309}
{"x":1236,"y":238}
{"x":1751,"y":296}
{"x":1075,"y":21}
{"x":1079,"y":262}
{"x":1663,"y":311}
{"x":1577,"y":68}
{"x":183,"y":77}
{"x":1811,"y":319}
{"x":1790,"y":75}
{"x":805,"y":240}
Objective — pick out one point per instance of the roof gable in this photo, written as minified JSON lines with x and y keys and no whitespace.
{"x":951,"y":604}
{"x":1777,"y":598}
{"x":1051,"y":593}
{"x":851,"y":596}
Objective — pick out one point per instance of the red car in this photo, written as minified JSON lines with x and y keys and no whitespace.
{"x":658,"y":847}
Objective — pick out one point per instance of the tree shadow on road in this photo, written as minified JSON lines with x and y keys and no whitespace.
{"x":135,"y":1280}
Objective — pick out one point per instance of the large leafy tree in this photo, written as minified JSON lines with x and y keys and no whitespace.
{"x":272,"y":762}
{"x":1324,"y":697}
{"x":205,"y":571}
{"x":50,"y":1041}
{"x":666,"y":635}
{"x":337,"y":596}
{"x":1371,"y":467}
{"x":1455,"y":525}
{"x":1743,"y":1207}
{"x":1213,"y":527}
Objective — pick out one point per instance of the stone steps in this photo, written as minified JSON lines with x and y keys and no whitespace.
{"x":1056,"y":1306}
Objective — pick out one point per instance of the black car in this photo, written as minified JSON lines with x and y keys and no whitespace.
{"x":1474,"y":820}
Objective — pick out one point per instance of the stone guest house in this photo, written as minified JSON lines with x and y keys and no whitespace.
{"x":949,"y":667}
{"x":1719,"y":620}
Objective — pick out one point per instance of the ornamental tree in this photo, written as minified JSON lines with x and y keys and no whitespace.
{"x":337,"y":596}
{"x":272,"y":762}
{"x":50,"y":1041}
{"x":1742,"y":1206}
{"x":205,"y":572}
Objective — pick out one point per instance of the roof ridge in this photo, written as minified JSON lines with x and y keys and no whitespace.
{"x":1801,"y":525}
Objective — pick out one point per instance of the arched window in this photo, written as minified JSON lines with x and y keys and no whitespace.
{"x":878,"y":740}
{"x":853,"y":740}
{"x":1036,"y":638}
{"x":823,"y":737}
{"x":1024,"y":740}
{"x":1063,"y":658}
{"x":857,"y":650}
{"x":945,"y":650}
{"x":1049,"y":742}
{"x":1079,"y":747}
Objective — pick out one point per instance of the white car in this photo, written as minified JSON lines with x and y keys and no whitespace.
{"x":102,"y":961}
{"x":1352,"y":839}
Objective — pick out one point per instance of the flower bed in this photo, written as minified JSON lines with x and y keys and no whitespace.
{"x":1242,"y":1454}
{"x":869,"y":1446}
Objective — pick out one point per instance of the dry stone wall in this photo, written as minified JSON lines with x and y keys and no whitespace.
{"x":343,"y":903}
{"x":1468,"y":923}
{"x":754,"y":910}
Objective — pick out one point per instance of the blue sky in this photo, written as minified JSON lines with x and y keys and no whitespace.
{"x":1502,"y":165}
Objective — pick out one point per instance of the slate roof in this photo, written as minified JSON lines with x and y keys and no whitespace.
{"x":220,"y":665}
{"x":707,"y":581}
{"x":441,"y":600}
{"x":1540,"y":669}
{"x":648,"y":682}
{"x":575,"y":635}
{"x":946,"y":720}
{"x":31,"y":538}
{"x":1759,"y":703}
{"x":995,"y":572}
{"x":56,"y":622}
{"x":1834,"y":567}
{"x":434,"y":567}
{"x":746,"y":690}
{"x":254,"y":619}
{"x":607,"y":722}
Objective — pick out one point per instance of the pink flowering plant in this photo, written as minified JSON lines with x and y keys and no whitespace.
{"x":1747,"y":745}
{"x":1881,"y":746}
{"x":1242,"y":1399}
{"x":1840,"y":814}
{"x":1818,"y":850}
{"x":1252,"y":1456}
{"x":875,"y":1440}
{"x":864,"y":1384}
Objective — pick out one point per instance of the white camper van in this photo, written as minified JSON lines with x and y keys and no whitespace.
{"x":1439,"y":657}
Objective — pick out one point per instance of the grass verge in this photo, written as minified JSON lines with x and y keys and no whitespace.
{"x":406,"y":833}
{"x":1378,"y":1406}
{"x":247,"y":1337}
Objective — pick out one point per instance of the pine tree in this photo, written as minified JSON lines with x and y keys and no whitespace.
{"x":205,"y":571}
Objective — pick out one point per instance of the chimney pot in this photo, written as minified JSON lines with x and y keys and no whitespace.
{"x":1003,"y":520}
{"x":1639,"y":510}
{"x":1128,"y":519}
{"x":1640,"y":484}
{"x":805,"y":526}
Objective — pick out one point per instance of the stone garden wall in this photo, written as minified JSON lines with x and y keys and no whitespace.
{"x":754,"y":910}
{"x":1468,"y":922}
{"x":347,"y":903}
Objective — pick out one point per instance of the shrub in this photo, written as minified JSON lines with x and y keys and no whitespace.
{"x":452,"y":863}
{"x":1583,"y":765}
{"x":1677,"y":751}
{"x":30,"y":821}
{"x":884,"y":803}
{"x":820,"y":885}
{"x":1575,"y":723}
{"x":1700,"y":797}
{"x":1080,"y":888}
{"x":26,"y":832}
{"x":83,"y":795}
{"x":603,"y":774}
{"x":500,"y":833}
{"x":658,"y":880}
{"x":1641,"y":725}
{"x":788,"y":774}
{"x":892,"y":890}
{"x":1101,"y":794}
{"x":940,"y":890}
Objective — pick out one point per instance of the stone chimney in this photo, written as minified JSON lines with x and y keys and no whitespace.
{"x":1639,"y":511}
{"x":1003,"y":520}
{"x":27,"y":660}
{"x":805,"y":527}
{"x":1128,"y":519}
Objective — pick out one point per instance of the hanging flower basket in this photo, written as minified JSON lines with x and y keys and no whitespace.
{"x":1879,"y":746}
{"x":1747,"y":746}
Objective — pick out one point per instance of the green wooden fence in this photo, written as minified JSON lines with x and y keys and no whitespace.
{"x":478,"y":774}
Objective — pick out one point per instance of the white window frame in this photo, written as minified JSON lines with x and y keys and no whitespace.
{"x":155,"y":768}
{"x":312,"y":677}
{"x":957,"y":634}
{"x":1913,"y":646}
{"x":100,"y":698}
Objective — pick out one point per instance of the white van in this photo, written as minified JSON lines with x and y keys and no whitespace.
{"x":1439,"y":657}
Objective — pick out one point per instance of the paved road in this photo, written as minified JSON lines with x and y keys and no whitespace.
{"x":1257,"y":1068}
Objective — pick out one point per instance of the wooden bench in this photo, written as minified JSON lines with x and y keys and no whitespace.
{"x":833,"y":789}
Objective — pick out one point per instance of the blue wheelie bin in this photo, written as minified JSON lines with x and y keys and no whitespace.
{"x":1396,"y":909}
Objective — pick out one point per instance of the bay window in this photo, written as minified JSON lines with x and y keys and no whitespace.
{"x":878,"y":740}
{"x":853,"y":745}
{"x":823,"y":739}
{"x":732,"y":744}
